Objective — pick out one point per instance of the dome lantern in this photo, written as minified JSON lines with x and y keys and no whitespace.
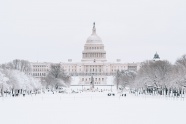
{"x":94,"y":29}
{"x":156,"y":57}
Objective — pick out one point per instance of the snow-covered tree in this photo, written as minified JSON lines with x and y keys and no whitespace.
{"x":154,"y":73}
{"x":179,"y":72}
{"x":19,"y":80}
{"x":3,"y":82}
{"x":12,"y":80}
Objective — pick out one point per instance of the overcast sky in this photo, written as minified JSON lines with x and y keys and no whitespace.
{"x":56,"y":30}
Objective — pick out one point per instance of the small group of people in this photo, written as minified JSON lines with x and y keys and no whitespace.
{"x":171,"y":92}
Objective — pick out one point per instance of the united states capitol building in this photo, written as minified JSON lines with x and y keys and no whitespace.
{"x":93,"y":62}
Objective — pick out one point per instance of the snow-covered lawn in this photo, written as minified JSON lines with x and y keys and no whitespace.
{"x":91,"y":108}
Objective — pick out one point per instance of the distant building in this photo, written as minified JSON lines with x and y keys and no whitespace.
{"x":39,"y":69}
{"x":93,"y":62}
{"x":156,"y":57}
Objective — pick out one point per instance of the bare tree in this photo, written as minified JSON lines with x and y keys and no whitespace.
{"x":124,"y":78}
{"x":21,"y":65}
{"x":117,"y":79}
{"x":57,"y":77}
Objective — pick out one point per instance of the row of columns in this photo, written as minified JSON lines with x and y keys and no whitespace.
{"x":90,"y":69}
{"x":96,"y":55}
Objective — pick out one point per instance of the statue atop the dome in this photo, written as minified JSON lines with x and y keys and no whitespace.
{"x":94,"y":29}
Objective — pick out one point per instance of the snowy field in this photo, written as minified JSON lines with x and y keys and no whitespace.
{"x":92,"y":108}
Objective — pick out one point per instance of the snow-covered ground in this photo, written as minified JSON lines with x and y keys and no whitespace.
{"x":92,"y":108}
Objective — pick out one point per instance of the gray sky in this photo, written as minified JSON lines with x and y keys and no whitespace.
{"x":56,"y":30}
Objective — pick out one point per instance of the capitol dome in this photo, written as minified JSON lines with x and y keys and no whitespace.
{"x":94,"y":48}
{"x":94,"y":38}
